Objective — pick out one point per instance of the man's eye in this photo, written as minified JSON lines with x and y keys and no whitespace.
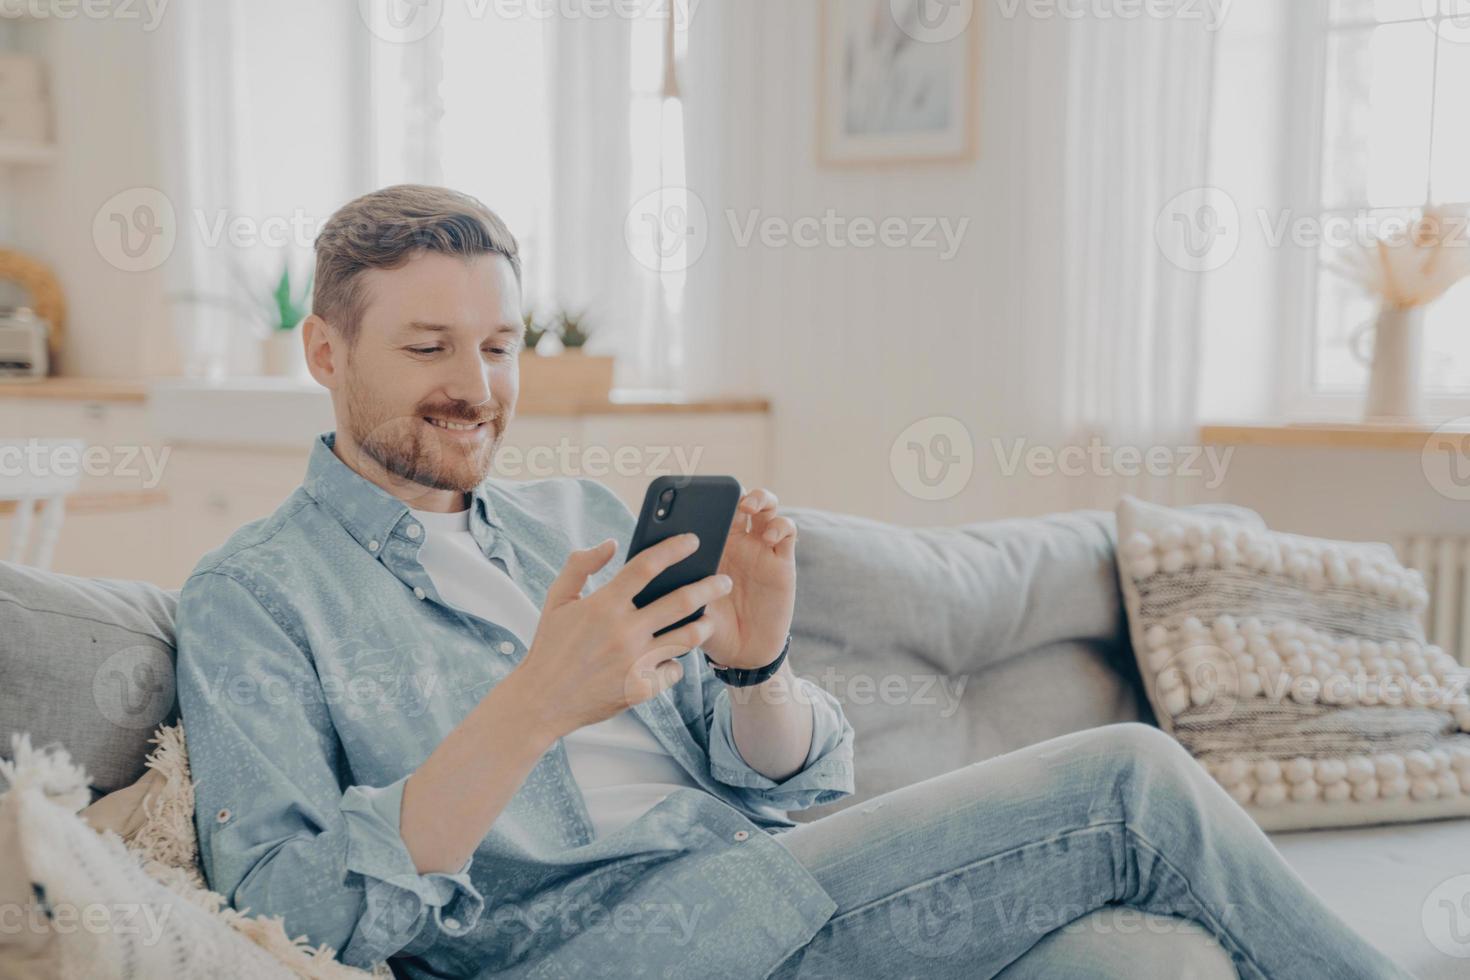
{"x":498,"y":351}
{"x":426,"y":350}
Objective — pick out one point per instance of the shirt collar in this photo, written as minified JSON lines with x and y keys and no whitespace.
{"x":368,"y":512}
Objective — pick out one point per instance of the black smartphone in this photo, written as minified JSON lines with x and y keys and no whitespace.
{"x":674,"y":505}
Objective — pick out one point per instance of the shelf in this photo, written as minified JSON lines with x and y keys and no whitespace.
{"x":1410,"y":437}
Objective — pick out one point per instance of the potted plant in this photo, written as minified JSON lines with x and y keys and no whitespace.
{"x":534,"y":332}
{"x":273,"y":312}
{"x":568,"y":379}
{"x":283,"y":312}
{"x":571,"y":328}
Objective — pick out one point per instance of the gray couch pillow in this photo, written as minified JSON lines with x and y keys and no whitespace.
{"x":949,"y":645}
{"x":87,"y":664}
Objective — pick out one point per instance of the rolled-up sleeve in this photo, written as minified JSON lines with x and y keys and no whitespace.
{"x":825,"y":777}
{"x":282,"y":831}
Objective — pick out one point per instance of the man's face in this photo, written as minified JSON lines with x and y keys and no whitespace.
{"x":431,"y":381}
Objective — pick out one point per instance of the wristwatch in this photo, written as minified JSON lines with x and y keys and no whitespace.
{"x":750,"y":677}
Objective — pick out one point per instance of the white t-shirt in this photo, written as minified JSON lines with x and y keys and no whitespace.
{"x":622,"y":770}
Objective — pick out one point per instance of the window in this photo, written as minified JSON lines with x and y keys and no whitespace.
{"x":560,"y":120}
{"x":469,"y":107}
{"x":1394,"y":136}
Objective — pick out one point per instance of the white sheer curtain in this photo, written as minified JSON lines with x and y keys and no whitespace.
{"x":549,"y":121}
{"x":1138,"y":127}
{"x":263,"y":133}
{"x":198,"y":94}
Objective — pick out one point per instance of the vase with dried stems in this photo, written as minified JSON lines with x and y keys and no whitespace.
{"x":1405,"y":271}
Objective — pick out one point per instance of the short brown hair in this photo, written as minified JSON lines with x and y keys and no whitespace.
{"x":385,"y":229}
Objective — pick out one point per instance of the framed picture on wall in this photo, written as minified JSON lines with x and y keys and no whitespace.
{"x":899,"y":81}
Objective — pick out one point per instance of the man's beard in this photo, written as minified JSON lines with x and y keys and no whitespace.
{"x":406,"y":446}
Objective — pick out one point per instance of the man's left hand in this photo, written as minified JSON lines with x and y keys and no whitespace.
{"x":751,"y":621}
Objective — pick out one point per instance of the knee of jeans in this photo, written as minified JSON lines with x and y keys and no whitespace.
{"x":1145,"y":750}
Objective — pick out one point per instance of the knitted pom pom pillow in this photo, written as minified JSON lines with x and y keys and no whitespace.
{"x":118,"y":892}
{"x":1295,"y":670}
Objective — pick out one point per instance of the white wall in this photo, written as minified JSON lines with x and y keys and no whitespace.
{"x":854,"y":345}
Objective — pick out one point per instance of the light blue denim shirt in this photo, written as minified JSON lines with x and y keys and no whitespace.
{"x":318,"y":668}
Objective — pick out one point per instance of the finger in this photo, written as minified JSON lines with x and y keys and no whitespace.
{"x":645,"y":566}
{"x":683,"y":601}
{"x":683,"y":639}
{"x":758,"y":500}
{"x":648,"y":678}
{"x":786,"y":550}
{"x":777,"y":529}
{"x":574,"y":574}
{"x":739,"y":524}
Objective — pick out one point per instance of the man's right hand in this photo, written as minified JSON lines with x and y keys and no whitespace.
{"x":594,"y":656}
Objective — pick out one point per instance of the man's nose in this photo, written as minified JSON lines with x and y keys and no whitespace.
{"x":469,"y":381}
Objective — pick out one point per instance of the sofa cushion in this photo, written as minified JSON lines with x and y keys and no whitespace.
{"x":1296,"y":670}
{"x":951,"y":645}
{"x":87,"y":663}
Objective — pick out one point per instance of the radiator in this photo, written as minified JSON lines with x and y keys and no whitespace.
{"x":1444,"y":561}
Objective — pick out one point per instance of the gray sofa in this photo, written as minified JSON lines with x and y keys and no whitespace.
{"x":946,"y":645}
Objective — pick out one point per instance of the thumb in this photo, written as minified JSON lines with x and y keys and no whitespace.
{"x":574,"y":574}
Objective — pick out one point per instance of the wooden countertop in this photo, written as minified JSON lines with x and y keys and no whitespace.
{"x":77,"y":389}
{"x":1412,"y":437}
{"x":119,"y":502}
{"x":622,"y":403}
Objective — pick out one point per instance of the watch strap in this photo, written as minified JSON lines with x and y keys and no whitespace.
{"x":750,"y":676}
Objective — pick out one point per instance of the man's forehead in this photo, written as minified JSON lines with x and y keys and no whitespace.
{"x":480,"y":293}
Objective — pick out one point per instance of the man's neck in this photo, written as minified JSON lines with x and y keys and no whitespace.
{"x":415,"y":495}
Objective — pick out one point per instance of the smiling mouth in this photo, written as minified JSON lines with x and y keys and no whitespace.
{"x":454,"y":426}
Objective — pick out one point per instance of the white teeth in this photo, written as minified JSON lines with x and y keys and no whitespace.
{"x":455,"y":426}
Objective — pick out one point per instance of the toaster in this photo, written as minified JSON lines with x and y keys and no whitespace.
{"x":23,"y":345}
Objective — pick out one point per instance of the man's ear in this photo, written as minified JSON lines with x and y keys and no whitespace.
{"x":323,"y":345}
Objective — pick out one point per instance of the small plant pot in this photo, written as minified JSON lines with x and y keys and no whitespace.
{"x":561,"y":384}
{"x":283,"y":355}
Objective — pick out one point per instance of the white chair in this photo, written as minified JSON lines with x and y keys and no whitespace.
{"x":36,"y":475}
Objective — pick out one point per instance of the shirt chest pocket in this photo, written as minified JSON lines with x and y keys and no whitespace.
{"x":416,"y":671}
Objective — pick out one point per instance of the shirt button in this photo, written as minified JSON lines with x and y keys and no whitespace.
{"x":742,"y":835}
{"x":418,"y":593}
{"x":507,"y":647}
{"x":413,"y":531}
{"x":222,"y":817}
{"x":372,"y":546}
{"x":451,"y":923}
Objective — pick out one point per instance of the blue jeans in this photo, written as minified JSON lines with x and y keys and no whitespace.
{"x":963,"y":874}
